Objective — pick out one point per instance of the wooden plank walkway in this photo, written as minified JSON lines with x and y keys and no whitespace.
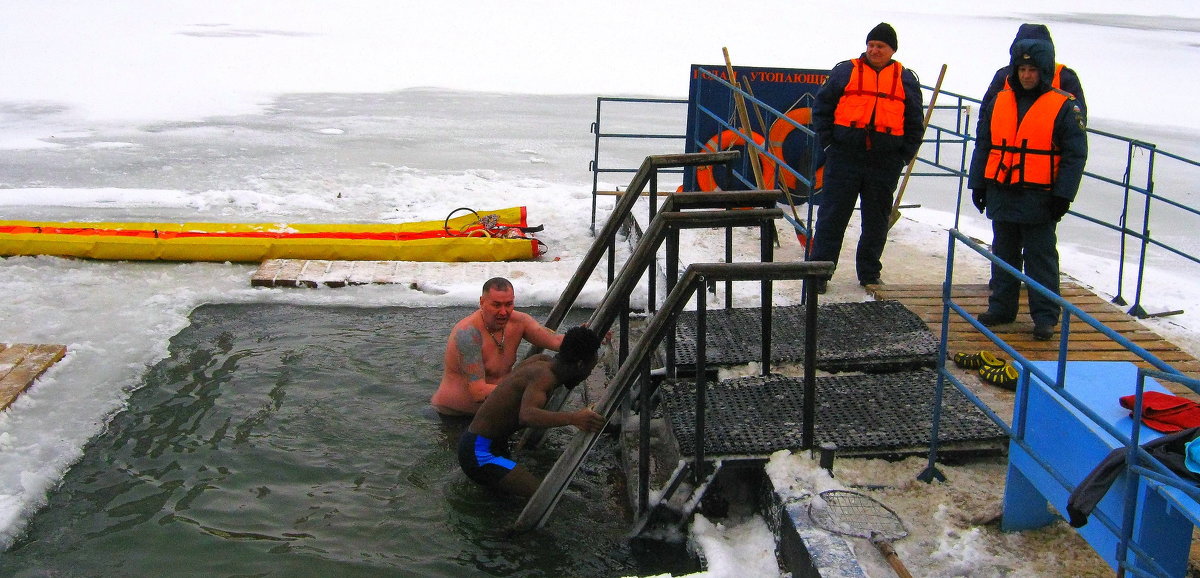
{"x":1084,"y":344}
{"x":21,"y":364}
{"x":424,"y":276}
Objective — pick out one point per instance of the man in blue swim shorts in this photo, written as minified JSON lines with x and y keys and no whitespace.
{"x":519,"y":401}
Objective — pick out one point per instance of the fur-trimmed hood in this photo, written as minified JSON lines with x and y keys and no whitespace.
{"x":1036,"y":51}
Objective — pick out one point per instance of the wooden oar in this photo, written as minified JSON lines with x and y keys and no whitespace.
{"x":782,"y":187}
{"x":895,"y":216}
{"x":744,"y":119}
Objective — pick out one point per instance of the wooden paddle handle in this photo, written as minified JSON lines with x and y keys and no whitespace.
{"x":925,"y":124}
{"x":889,"y":554}
{"x":744,"y":120}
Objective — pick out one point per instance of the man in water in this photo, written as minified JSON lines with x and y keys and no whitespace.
{"x":483,"y":348}
{"x":518,"y":402}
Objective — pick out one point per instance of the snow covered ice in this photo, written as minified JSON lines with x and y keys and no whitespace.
{"x":373,"y":111}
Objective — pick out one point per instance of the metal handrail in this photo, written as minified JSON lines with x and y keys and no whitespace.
{"x":961,"y":136}
{"x":606,"y":238}
{"x":946,"y":154}
{"x":616,"y":298}
{"x":600,"y":134}
{"x":771,"y":112}
{"x":694,"y":279}
{"x":1140,"y":463}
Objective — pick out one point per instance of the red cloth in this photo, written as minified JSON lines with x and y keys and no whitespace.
{"x":1165,"y":412}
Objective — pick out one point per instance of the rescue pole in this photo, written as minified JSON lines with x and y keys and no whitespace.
{"x":895,"y":216}
{"x":744,"y":119}
{"x":783,"y":187}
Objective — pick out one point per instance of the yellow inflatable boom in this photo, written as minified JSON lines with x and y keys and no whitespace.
{"x":471,"y":237}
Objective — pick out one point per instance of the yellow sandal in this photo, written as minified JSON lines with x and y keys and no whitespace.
{"x":978,"y":360}
{"x":1004,"y":376}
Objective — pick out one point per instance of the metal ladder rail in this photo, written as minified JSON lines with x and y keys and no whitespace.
{"x":695,"y":277}
{"x":623,"y":210}
{"x":665,"y":510}
{"x":675,"y":202}
{"x":618,"y":293}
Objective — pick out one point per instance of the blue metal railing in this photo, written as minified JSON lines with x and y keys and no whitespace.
{"x":1140,"y":463}
{"x":805,"y":179}
{"x":1124,"y":198}
{"x":598,"y":131}
{"x":1118,"y":196}
{"x":1109,"y":197}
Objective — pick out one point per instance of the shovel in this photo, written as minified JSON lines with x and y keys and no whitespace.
{"x":895,"y":216}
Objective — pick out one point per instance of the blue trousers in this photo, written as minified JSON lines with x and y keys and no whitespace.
{"x":847,"y":180}
{"x":1033,"y":249}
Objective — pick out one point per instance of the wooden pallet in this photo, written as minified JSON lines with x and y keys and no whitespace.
{"x":424,"y":276}
{"x":1084,"y":344}
{"x":21,"y":364}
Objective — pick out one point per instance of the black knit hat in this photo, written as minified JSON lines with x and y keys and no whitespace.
{"x":885,"y":34}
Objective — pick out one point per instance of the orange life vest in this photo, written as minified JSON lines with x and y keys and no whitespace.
{"x":1056,"y":82}
{"x":873,"y":100}
{"x":1024,"y":153}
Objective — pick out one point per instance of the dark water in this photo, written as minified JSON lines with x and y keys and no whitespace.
{"x":297,"y":441}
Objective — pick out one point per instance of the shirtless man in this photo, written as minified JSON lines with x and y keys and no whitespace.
{"x":518,"y":402}
{"x":483,"y":348}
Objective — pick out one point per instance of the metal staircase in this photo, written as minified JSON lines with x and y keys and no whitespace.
{"x":679,"y":211}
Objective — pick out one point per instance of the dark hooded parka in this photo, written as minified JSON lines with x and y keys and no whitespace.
{"x":1026,"y":169}
{"x":1064,"y":77}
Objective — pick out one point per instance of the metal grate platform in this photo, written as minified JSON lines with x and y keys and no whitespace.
{"x":876,"y":336}
{"x":866,"y":413}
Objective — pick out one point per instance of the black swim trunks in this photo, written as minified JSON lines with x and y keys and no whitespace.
{"x":484,"y":460}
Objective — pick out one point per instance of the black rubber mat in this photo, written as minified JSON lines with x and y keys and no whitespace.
{"x":759,"y":415}
{"x":878,"y":336}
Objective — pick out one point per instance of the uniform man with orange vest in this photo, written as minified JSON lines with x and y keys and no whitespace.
{"x":868,"y":118}
{"x":1064,"y":77}
{"x":1030,"y":152}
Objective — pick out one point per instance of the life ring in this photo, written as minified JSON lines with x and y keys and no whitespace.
{"x":780,"y":129}
{"x":724,"y":141}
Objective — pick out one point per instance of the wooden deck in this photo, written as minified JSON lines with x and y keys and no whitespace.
{"x":424,"y":276}
{"x":1084,"y":344}
{"x":21,"y":364}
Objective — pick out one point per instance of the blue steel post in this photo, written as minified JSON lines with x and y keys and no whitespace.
{"x":931,"y":472}
{"x":1136,"y":310}
{"x":1064,"y":336}
{"x":1123,"y":224}
{"x":1131,"y":484}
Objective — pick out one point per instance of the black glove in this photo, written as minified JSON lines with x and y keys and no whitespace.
{"x":979,"y":197}
{"x":1058,"y":207}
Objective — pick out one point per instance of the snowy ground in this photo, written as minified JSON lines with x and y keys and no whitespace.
{"x":296,"y":111}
